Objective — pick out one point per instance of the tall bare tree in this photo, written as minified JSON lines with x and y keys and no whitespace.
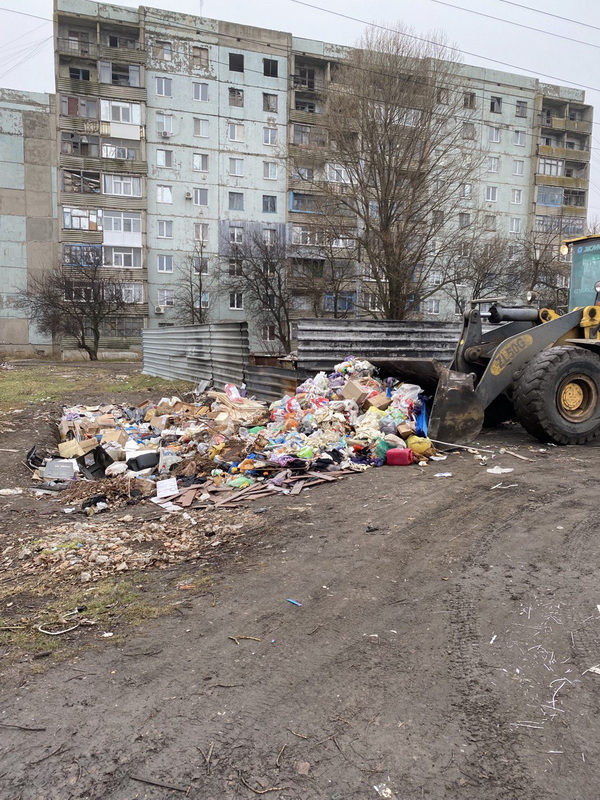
{"x":543,"y":269}
{"x":402,"y":144}
{"x":257,"y":276}
{"x":193,"y":283}
{"x":60,"y":304}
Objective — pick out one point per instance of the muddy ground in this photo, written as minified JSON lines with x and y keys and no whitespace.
{"x":441,"y":650}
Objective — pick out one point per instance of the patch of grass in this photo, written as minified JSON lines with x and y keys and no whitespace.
{"x":21,"y":386}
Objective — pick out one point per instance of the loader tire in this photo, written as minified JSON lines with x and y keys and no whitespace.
{"x":557,"y":396}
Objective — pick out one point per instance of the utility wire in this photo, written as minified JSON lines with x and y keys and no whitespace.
{"x":518,"y":24}
{"x":36,"y":49}
{"x":25,"y":14}
{"x":548,"y":14}
{"x":429,"y":41}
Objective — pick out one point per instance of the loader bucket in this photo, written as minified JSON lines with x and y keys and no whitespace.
{"x":456,"y":414}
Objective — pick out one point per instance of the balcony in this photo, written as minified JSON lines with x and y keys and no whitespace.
{"x":566,"y":183}
{"x":104,"y":164}
{"x":108,"y":91}
{"x":563,"y":123}
{"x":78,"y":48}
{"x":135,"y":55}
{"x":547,"y":151}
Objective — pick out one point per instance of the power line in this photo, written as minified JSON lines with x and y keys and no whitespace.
{"x":429,"y":41}
{"x":34,"y":50}
{"x":25,"y":14}
{"x":548,"y":14}
{"x":518,"y":24}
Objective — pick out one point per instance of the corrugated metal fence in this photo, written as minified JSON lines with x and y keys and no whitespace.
{"x":322,"y":343}
{"x":216,"y":352}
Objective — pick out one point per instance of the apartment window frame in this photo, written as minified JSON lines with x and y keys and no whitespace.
{"x":164,"y":158}
{"x":268,"y":168}
{"x":200,"y":57}
{"x":493,"y":164}
{"x":164,"y":263}
{"x":270,"y":103}
{"x":236,"y":301}
{"x":201,"y":232}
{"x":516,"y":196}
{"x":515,"y":225}
{"x":494,"y":134}
{"x":519,"y":138}
{"x":269,"y":204}
{"x":236,"y":62}
{"x":111,"y":181}
{"x":518,"y":166}
{"x":200,"y":124}
{"x":164,"y":191}
{"x":491,"y":194}
{"x":200,"y":265}
{"x":122,"y":221}
{"x":431,"y":306}
{"x":236,"y":97}
{"x":235,"y":201}
{"x":199,"y":162}
{"x":200,"y":196}
{"x":164,"y":123}
{"x":236,"y":167}
{"x":270,"y":68}
{"x":164,"y":228}
{"x":495,"y":104}
{"x":163,"y":50}
{"x":521,"y":108}
{"x":235,"y":131}
{"x":200,"y":91}
{"x":122,"y":257}
{"x":236,"y":234}
{"x":164,"y":86}
{"x":270,"y":136}
{"x":469,"y":100}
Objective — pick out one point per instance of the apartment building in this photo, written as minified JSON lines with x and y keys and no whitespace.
{"x":28,"y":209}
{"x":178,"y":137}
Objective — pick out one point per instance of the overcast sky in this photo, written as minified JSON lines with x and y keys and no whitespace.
{"x":26,"y":52}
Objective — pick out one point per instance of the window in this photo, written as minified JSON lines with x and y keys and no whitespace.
{"x":270,"y":170}
{"x":236,"y":234}
{"x":201,"y":127}
{"x":236,"y":201}
{"x":516,"y":196}
{"x":200,"y":91}
{"x":336,"y":173}
{"x":120,"y":151}
{"x":269,"y":204}
{"x":79,"y":107}
{"x":123,"y":221}
{"x":343,"y":241}
{"x":464,"y":220}
{"x":164,"y":123}
{"x":236,"y":268}
{"x":431,"y":306}
{"x":343,"y":301}
{"x":125,"y":185}
{"x":164,"y":158}
{"x":201,"y":232}
{"x":515,"y":225}
{"x":521,"y":108}
{"x":165,"y":297}
{"x":469,"y":99}
{"x":270,"y":136}
{"x":82,"y":219}
{"x":75,"y":144}
{"x":114,"y":111}
{"x":437,"y":218}
{"x":436,"y":278}
{"x":82,"y":255}
{"x":491,"y":194}
{"x":549,"y":196}
{"x":442,"y":96}
{"x":270,"y":67}
{"x":200,"y":265}
{"x":78,"y":182}
{"x":496,"y":105}
{"x":519,"y":138}
{"x":236,"y":97}
{"x":77,"y":74}
{"x":235,"y":132}
{"x":122,"y":327}
{"x":165,"y":228}
{"x":200,"y":57}
{"x":236,"y":62}
{"x":163,"y":51}
{"x":164,"y":194}
{"x":164,"y":87}
{"x":119,"y":74}
{"x":302,"y":202}
{"x":303,"y":234}
{"x":269,"y":236}
{"x":468,"y":130}
{"x":373,"y":302}
{"x":303,"y":173}
{"x":236,"y":300}
{"x":493,"y":164}
{"x":202,"y":300}
{"x":493,"y":134}
{"x":306,"y":105}
{"x":302,"y":134}
{"x":200,"y":197}
{"x":574,"y":197}
{"x":200,"y":162}
{"x":489,"y":222}
{"x":551,"y":166}
{"x":268,"y":333}
{"x":466,"y":190}
{"x":518,"y":167}
{"x":125,"y":257}
{"x":270,"y":103}
{"x":164,"y":263}
{"x":236,"y":167}
{"x":132,"y":292}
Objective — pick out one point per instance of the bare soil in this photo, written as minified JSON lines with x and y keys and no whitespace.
{"x":441,"y":650}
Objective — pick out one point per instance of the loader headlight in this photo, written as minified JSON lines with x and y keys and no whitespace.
{"x":531,"y":296}
{"x":564,"y":249}
{"x":597,"y":287}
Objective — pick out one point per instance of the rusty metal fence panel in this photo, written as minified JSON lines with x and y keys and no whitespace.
{"x":322,"y":343}
{"x":271,"y":383}
{"x":215,"y":352}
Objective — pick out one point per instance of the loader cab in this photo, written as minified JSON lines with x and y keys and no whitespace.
{"x":585,"y":269}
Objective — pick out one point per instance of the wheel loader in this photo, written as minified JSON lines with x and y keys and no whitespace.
{"x":535,"y":365}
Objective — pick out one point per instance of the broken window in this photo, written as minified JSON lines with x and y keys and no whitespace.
{"x":521,"y":108}
{"x":236,"y":62}
{"x":163,"y":51}
{"x":80,"y":182}
{"x":496,"y":105}
{"x":200,"y":57}
{"x":79,"y":107}
{"x":469,"y":99}
{"x":236,"y":97}
{"x":305,"y":78}
{"x":574,"y":197}
{"x":270,"y":102}
{"x":75,"y":144}
{"x":120,"y":149}
{"x":78,"y":74}
{"x":119,"y":74}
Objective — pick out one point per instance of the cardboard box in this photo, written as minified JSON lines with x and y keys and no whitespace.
{"x":405,"y":430}
{"x":380,"y":401}
{"x":117,"y":436}
{"x":75,"y":449}
{"x":353,"y":390}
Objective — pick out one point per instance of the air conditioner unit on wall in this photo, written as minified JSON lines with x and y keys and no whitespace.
{"x":188,"y":195}
{"x":165,"y":134}
{"x":159,"y":309}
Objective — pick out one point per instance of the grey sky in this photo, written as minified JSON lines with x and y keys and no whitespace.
{"x":529,"y":51}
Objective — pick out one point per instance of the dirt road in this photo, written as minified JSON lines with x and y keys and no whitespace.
{"x":441,"y":650}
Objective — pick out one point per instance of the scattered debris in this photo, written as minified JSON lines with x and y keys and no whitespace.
{"x":499,"y":470}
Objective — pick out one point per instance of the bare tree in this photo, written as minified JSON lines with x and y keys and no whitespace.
{"x":60,"y":304}
{"x":543,"y":270}
{"x":257,"y":277}
{"x":193,"y":283}
{"x":397,"y":130}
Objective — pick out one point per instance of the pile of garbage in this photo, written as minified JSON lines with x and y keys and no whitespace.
{"x":224,"y":446}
